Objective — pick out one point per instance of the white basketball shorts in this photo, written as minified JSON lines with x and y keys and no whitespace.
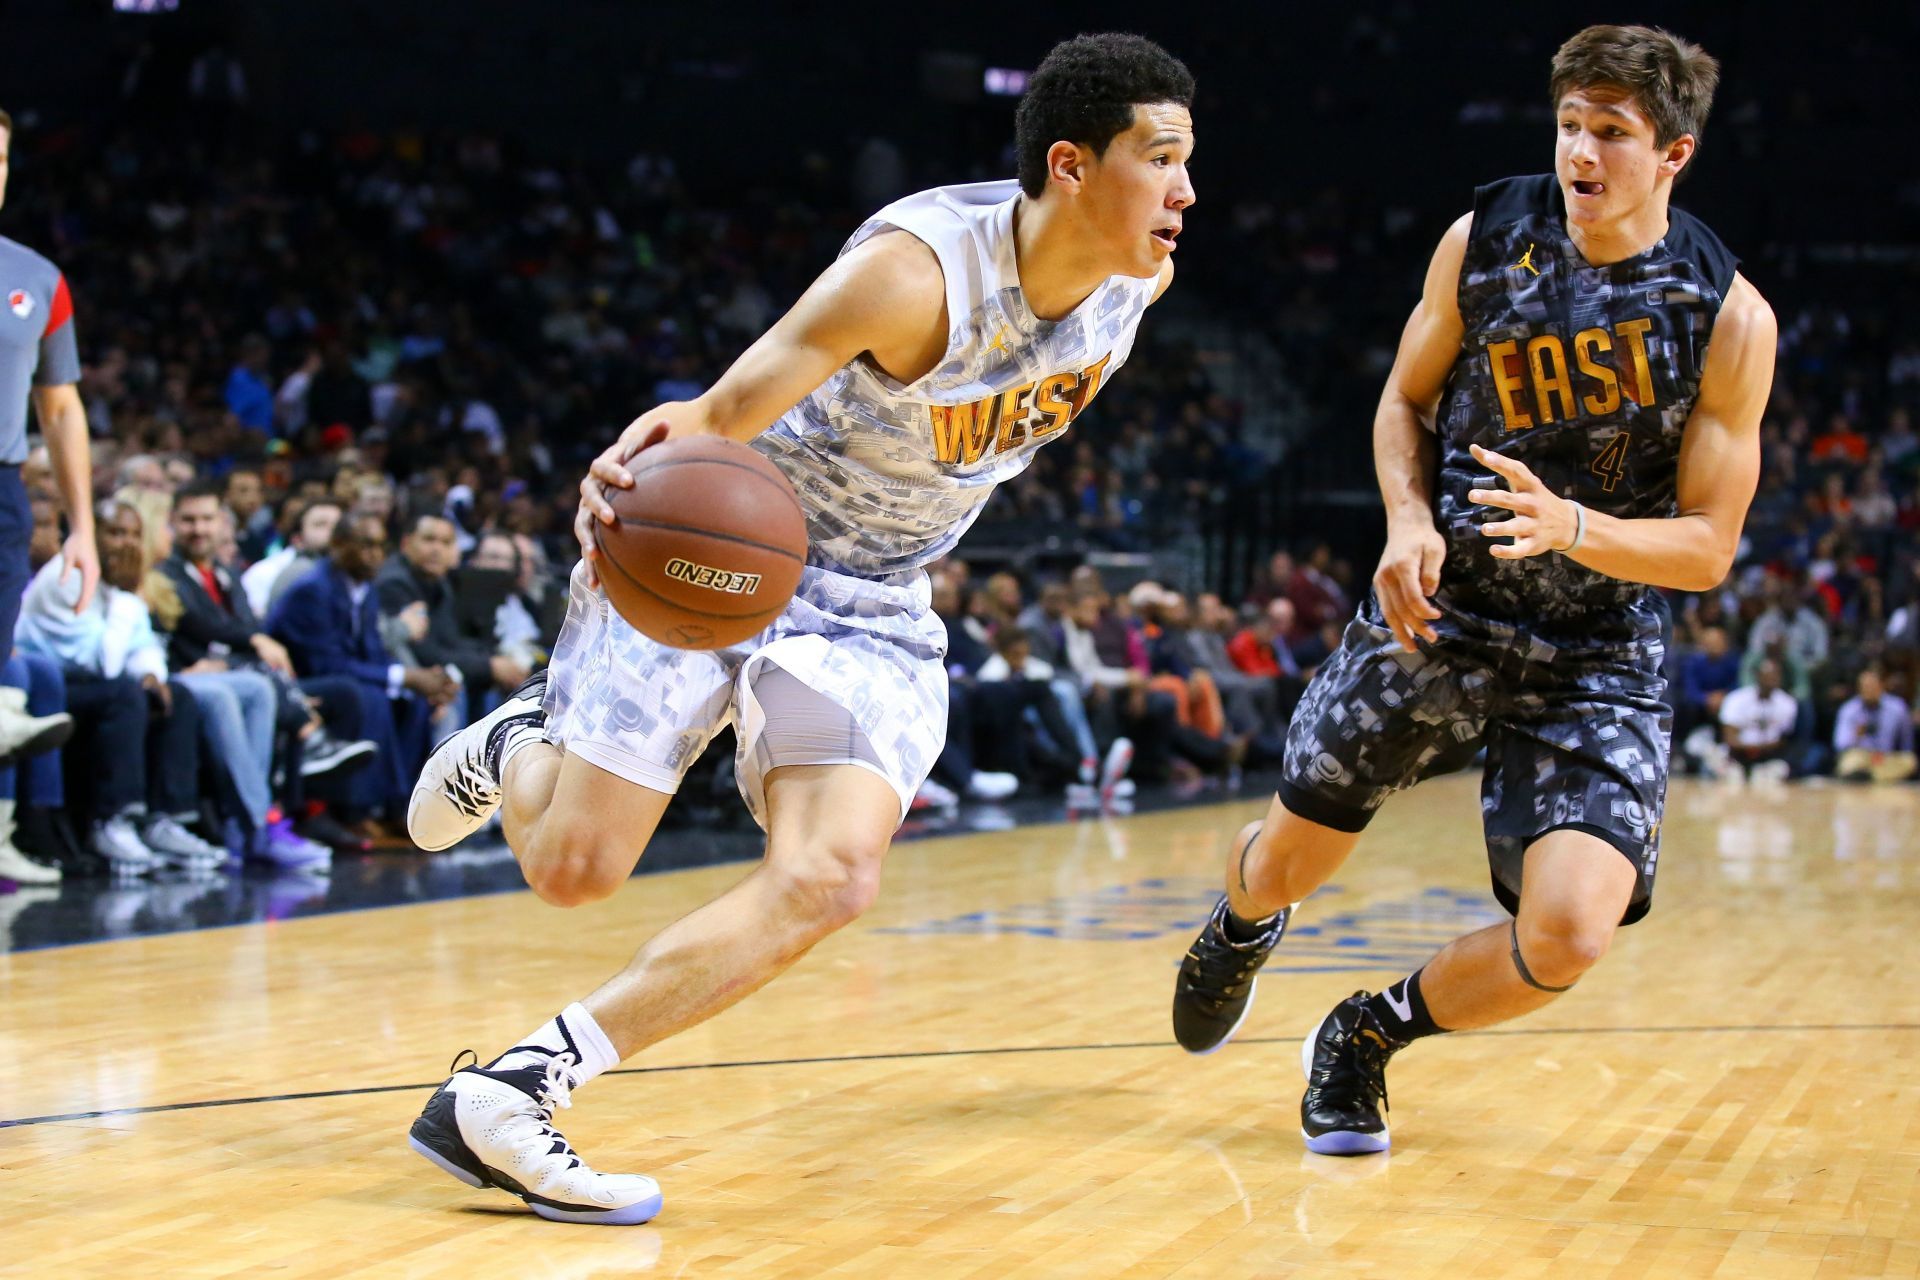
{"x":644,"y":711}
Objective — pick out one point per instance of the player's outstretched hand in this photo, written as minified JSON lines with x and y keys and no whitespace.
{"x":609,"y":470}
{"x":1404,"y":584}
{"x":1542,"y":520}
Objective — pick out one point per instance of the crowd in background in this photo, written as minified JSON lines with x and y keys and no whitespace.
{"x":339,"y":398}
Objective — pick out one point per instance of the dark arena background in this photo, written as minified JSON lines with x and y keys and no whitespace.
{"x":362,"y":287}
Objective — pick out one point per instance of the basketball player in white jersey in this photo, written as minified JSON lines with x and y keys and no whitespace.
{"x":960,"y":330}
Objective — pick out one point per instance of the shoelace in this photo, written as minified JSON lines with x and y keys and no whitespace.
{"x":1359,"y":1065}
{"x":532,"y":1129}
{"x":1224,"y":967}
{"x":471,"y":787}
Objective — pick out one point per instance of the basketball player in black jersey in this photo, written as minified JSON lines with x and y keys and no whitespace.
{"x":1572,"y":419}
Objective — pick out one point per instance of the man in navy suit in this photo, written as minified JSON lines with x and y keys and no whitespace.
{"x":329,"y":622}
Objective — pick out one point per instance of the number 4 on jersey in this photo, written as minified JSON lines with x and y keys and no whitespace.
{"x":1612,"y":462}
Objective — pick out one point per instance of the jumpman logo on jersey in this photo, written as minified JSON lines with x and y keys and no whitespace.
{"x":999,"y":342}
{"x":1526,"y":260}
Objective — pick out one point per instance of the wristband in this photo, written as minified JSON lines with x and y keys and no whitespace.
{"x":1579,"y":528}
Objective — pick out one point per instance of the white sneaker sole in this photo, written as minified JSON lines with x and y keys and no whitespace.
{"x":631,"y":1215}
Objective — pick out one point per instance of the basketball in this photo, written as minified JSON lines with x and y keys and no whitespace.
{"x":708,"y":546}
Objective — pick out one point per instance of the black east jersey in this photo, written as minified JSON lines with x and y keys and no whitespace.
{"x":1586,"y":374}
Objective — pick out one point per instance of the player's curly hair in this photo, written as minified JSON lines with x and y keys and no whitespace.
{"x":1671,"y":80}
{"x":1085,"y":92}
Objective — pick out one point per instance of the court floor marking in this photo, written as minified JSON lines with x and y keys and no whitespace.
{"x":909,"y":1055}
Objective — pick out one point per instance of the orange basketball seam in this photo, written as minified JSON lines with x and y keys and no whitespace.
{"x":710,"y":533}
{"x":778,"y":479}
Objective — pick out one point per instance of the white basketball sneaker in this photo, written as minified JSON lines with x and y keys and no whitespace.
{"x":459,"y":787}
{"x":494,"y":1128}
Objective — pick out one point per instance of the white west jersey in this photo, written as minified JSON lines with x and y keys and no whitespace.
{"x":891,"y":476}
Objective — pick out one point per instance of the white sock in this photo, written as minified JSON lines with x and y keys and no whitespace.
{"x":519,"y":737}
{"x":573,"y":1031}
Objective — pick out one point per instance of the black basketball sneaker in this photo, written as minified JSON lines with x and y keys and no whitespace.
{"x":1214,"y":992}
{"x":492,"y":1127}
{"x":1345,"y":1059}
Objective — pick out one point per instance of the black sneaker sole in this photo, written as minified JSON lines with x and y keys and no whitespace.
{"x":1226,"y":1038}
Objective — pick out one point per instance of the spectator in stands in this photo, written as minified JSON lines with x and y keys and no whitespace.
{"x":415,"y":584}
{"x":1064,"y":746}
{"x":1317,"y":598}
{"x":1119,"y":703}
{"x":1791,"y":618}
{"x":1044,"y":621}
{"x":1272,"y":582}
{"x":1251,"y":702}
{"x":252,"y":518}
{"x":214,"y":628}
{"x":218,"y":620}
{"x":1756,"y":726}
{"x":268,"y":578}
{"x":1839,"y":443}
{"x":1260,"y":647}
{"x":143,"y":730}
{"x":1708,"y":674}
{"x":1873,"y":735}
{"x":329,"y":623}
{"x":521,"y":628}
{"x":1162,"y":617}
{"x":249,"y":394}
{"x":969,"y":727}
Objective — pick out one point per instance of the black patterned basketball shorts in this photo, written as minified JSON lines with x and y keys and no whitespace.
{"x":1576,"y":733}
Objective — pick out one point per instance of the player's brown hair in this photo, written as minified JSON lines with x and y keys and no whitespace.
{"x":1671,"y":80}
{"x":6,"y":121}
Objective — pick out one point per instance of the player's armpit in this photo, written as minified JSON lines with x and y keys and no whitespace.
{"x":885,"y":299}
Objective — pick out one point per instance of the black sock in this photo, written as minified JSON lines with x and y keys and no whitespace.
{"x":1238,"y":929}
{"x":1402,"y":1013}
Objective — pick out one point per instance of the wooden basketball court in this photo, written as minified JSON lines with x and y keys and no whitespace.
{"x":978,"y":1079}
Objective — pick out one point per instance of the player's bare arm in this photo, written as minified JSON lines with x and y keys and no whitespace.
{"x":1404,"y":450}
{"x":886,"y":300}
{"x":1719,"y":468}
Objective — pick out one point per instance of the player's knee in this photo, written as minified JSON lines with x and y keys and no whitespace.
{"x":572,"y":880}
{"x":573,"y":863}
{"x":833,"y":884}
{"x":1559,"y":948}
{"x":571,"y":867}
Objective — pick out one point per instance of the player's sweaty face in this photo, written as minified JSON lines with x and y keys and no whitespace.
{"x":1141,"y":187}
{"x":1604,"y":155}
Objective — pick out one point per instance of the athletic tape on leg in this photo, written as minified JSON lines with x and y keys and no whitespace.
{"x":1521,"y":965}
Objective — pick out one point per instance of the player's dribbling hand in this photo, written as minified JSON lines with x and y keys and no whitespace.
{"x":1404,"y":584}
{"x":1542,"y":520}
{"x":609,"y":470}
